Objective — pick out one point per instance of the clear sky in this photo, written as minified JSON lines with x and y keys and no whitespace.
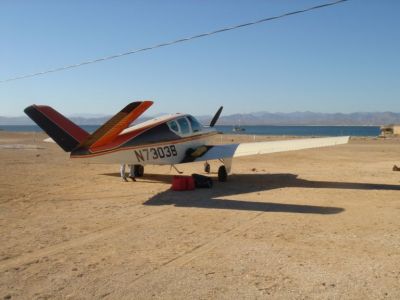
{"x":344,"y":58}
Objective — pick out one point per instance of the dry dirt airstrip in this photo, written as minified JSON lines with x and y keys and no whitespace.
{"x":320,"y":223}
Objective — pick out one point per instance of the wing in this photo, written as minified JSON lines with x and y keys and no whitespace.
{"x":246,"y":149}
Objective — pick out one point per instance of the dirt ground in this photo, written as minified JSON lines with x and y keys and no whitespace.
{"x":319,"y":223}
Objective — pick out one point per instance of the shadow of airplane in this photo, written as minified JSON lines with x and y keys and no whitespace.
{"x":200,"y":200}
{"x":248,"y":183}
{"x":274,"y":181}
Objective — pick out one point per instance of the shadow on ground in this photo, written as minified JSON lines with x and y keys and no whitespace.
{"x":250,"y":183}
{"x":274,"y":181}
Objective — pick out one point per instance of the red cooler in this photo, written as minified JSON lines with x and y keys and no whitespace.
{"x":182,"y":183}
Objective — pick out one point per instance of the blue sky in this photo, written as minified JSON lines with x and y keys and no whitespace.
{"x":343,"y":58}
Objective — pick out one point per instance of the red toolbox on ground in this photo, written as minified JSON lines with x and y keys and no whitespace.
{"x":182,"y":183}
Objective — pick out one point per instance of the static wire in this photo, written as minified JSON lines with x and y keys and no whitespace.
{"x":92,"y":61}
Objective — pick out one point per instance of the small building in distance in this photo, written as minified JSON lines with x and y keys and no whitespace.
{"x":390,"y":130}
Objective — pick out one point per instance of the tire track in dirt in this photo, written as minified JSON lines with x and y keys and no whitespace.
{"x":91,"y":237}
{"x":199,"y":250}
{"x":208,"y":246}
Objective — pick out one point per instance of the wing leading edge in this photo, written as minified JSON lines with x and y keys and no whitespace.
{"x":247,"y":149}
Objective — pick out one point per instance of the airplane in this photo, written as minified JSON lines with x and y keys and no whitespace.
{"x":168,"y":140}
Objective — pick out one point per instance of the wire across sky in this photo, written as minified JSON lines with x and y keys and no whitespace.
{"x":97,"y":60}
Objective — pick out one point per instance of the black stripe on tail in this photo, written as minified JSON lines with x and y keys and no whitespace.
{"x":64,"y":132}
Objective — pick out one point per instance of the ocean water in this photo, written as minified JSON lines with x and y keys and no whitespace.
{"x":256,"y":130}
{"x":306,"y":130}
{"x":35,"y":128}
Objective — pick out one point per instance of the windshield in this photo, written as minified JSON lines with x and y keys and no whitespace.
{"x":174,"y":126}
{"x":184,"y":125}
{"x":195,"y":124}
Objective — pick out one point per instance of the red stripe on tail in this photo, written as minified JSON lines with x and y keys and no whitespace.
{"x":69,"y":127}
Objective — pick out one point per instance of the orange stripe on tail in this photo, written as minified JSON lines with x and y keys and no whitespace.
{"x":113,"y":127}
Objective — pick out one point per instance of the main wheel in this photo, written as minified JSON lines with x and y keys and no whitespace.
{"x":222,"y":174}
{"x":207,"y":167}
{"x":138,"y":170}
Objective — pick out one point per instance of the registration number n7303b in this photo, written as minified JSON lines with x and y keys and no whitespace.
{"x":155,"y":153}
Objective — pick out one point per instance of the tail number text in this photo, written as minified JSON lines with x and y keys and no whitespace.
{"x":155,"y":153}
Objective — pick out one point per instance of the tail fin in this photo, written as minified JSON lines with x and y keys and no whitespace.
{"x":63,"y":131}
{"x":113,"y":127}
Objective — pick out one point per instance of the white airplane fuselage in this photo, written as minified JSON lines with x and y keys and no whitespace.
{"x":168,"y":140}
{"x":158,"y":154}
{"x":168,"y":152}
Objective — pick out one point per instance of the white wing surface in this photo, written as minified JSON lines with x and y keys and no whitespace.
{"x":246,"y":149}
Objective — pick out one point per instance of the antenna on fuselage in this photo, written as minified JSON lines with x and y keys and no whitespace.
{"x":216,"y":117}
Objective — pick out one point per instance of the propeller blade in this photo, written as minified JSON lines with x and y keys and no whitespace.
{"x":216,"y":117}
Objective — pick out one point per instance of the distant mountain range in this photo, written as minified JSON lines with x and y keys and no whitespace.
{"x":258,"y":118}
{"x":312,"y":118}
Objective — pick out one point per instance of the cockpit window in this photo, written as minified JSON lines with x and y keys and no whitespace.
{"x":195,"y":124}
{"x":173,"y":126}
{"x":184,"y":125}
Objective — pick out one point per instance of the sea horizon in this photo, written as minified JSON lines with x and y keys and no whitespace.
{"x":278,"y":130}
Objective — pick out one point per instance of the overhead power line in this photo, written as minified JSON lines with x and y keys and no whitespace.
{"x":92,"y":61}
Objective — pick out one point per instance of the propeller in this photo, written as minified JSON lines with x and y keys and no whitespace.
{"x":216,"y":117}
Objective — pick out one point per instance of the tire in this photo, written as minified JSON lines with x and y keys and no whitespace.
{"x":138,"y":170}
{"x":222,"y":174}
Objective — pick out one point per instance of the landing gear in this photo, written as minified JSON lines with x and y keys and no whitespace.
{"x":222,"y":174}
{"x":138,"y":170}
{"x":207,"y":167}
{"x":224,"y":169}
{"x":176,"y":169}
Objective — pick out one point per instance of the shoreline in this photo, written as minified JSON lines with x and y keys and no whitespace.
{"x":39,"y":136}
